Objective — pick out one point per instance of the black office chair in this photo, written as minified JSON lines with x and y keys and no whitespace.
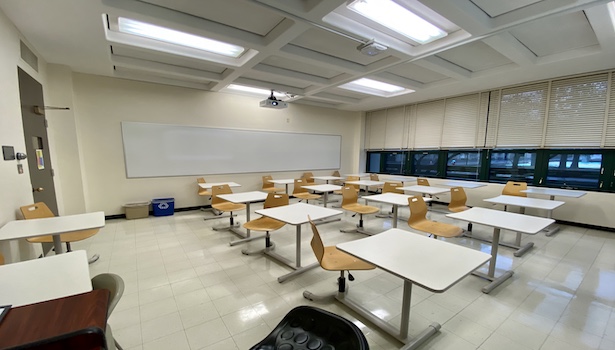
{"x":307,"y":327}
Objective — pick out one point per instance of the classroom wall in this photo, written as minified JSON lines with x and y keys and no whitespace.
{"x":102,"y":103}
{"x":15,"y":189}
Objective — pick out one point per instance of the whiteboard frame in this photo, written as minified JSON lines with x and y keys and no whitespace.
{"x":164,"y":150}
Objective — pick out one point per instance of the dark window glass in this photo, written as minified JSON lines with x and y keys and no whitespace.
{"x":425,"y":164}
{"x":393,"y":162}
{"x":463,"y":165}
{"x":512,"y":166}
{"x":575,"y":170}
{"x":373,"y":162}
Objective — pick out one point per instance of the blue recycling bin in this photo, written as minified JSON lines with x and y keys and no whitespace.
{"x":163,"y":206}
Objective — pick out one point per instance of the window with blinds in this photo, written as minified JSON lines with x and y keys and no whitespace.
{"x":522,"y":115}
{"x":609,"y":140}
{"x":576,"y":111}
{"x":428,"y":127}
{"x":375,"y":129}
{"x":460,"y":121}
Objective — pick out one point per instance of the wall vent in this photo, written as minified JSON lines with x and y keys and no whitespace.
{"x":28,"y":56}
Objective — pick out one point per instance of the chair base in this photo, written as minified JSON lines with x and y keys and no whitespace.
{"x":93,"y":259}
{"x":217,"y":214}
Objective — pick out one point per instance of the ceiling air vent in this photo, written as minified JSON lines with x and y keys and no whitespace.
{"x":28,"y":56}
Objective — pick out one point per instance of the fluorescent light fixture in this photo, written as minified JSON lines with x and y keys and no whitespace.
{"x":397,"y":18}
{"x":130,"y":26}
{"x":374,"y":87}
{"x":254,"y":91}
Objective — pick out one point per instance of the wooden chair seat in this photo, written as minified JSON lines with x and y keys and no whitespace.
{"x":458,"y":208}
{"x":273,"y":190}
{"x":65,"y":237}
{"x":360,"y":208}
{"x":228,"y":206}
{"x":437,"y":228}
{"x":334,"y":259}
{"x":264,"y":224}
{"x":418,"y":220}
{"x":307,"y":195}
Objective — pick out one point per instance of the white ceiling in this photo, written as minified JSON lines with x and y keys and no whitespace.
{"x":491,"y":43}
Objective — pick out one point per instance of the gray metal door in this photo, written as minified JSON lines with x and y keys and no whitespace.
{"x":37,"y":144}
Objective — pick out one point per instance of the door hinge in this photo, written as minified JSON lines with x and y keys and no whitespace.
{"x":46,"y":124}
{"x":53,"y":173}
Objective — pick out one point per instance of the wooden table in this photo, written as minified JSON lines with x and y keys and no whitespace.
{"x":552,"y":192}
{"x":55,"y":226}
{"x":296,"y":214}
{"x":72,"y":322}
{"x":246,"y":198}
{"x":429,"y":263}
{"x":500,"y":220}
{"x":524,"y":202}
{"x":37,"y":280}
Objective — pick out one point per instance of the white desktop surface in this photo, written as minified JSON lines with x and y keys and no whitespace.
{"x":463,"y":184}
{"x":392,"y":178}
{"x":392,"y":198}
{"x":503,"y":219}
{"x":525,"y":202}
{"x":424,"y":189}
{"x":556,"y":192}
{"x":38,"y":280}
{"x":365,"y":183}
{"x":283,"y":181}
{"x":297,"y":214}
{"x":244,"y":197}
{"x":327,"y":178}
{"x":51,"y":226}
{"x":433,"y":264}
{"x":358,"y":175}
{"x":323,"y":188}
{"x":209,"y":185}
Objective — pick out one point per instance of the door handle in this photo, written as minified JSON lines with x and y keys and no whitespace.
{"x":38,"y":189}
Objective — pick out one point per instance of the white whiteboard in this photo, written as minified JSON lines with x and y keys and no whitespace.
{"x":153,"y":150}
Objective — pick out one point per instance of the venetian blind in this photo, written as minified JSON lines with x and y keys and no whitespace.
{"x":610,"y":123}
{"x":576,"y":112}
{"x":429,"y":120}
{"x":460,"y":121}
{"x":522,"y":114}
{"x":410,"y":125}
{"x":376,"y":133}
{"x":493,"y":114}
{"x":395,"y":135}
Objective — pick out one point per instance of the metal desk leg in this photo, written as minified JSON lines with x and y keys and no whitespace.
{"x":57,"y":244}
{"x":247,"y":237}
{"x":298,"y":268}
{"x":495,"y":281}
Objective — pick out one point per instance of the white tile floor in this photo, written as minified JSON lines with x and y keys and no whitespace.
{"x":186,"y":288}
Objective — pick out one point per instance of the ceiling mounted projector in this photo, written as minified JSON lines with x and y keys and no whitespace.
{"x":273,"y":102}
{"x":371,"y":48}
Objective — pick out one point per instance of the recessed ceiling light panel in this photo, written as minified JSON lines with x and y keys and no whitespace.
{"x":374,"y":87}
{"x":146,"y":30}
{"x":397,"y":18}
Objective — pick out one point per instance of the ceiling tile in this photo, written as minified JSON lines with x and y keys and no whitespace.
{"x":157,"y":56}
{"x":556,"y":34}
{"x":415,"y":72}
{"x":275,"y":80}
{"x":495,"y":8}
{"x":475,"y":56}
{"x":297,"y":66}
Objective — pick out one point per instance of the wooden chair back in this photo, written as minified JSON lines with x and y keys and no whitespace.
{"x":336,"y":173}
{"x":373,"y":177}
{"x":298,"y":188}
{"x":36,"y":211}
{"x":513,"y":188}
{"x":418,"y":210}
{"x":309,"y":177}
{"x":317,"y":245}
{"x":337,"y":182}
{"x":202,"y":191}
{"x":218,"y":190}
{"x":422,"y":181}
{"x":458,"y":197}
{"x":353,"y":178}
{"x":1,"y":259}
{"x":391,"y":187}
{"x":275,"y":200}
{"x":349,"y":195}
{"x":266,"y":182}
